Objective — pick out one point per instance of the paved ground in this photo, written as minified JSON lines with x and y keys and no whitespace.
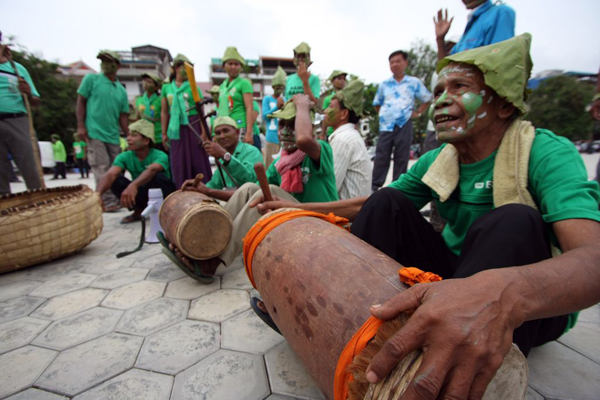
{"x":91,"y":326}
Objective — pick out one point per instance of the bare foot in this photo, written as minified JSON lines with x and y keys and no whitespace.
{"x":208,"y":267}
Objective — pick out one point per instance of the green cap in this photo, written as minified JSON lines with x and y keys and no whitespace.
{"x":180,"y":59}
{"x":335,"y":74}
{"x":352,"y":96}
{"x":214,"y":90}
{"x":144,"y":128}
{"x":155,"y":78}
{"x":231,"y":53}
{"x":113,"y":55}
{"x":279,"y":78}
{"x":55,"y":136}
{"x":506,"y":67}
{"x":289,"y":112}
{"x":302,"y":48}
{"x":224,"y":121}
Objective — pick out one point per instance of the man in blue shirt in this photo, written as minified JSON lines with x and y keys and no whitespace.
{"x":487,"y":24}
{"x":394,"y":102}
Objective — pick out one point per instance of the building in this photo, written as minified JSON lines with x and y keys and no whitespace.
{"x":75,"y":71}
{"x":140,"y":60}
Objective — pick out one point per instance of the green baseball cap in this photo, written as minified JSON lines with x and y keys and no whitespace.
{"x":352,"y":96}
{"x":224,"y":121}
{"x":279,"y":78}
{"x":155,"y":78}
{"x":55,"y":136}
{"x":180,"y":59}
{"x":231,"y":53}
{"x":144,"y":128}
{"x":289,"y":112}
{"x":506,"y":67}
{"x":302,"y":48}
{"x":335,"y":74}
{"x":113,"y":55}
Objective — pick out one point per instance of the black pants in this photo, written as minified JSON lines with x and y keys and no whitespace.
{"x":509,"y":236}
{"x":398,"y":141}
{"x":60,"y":169}
{"x":160,"y":181}
{"x":83,"y":167}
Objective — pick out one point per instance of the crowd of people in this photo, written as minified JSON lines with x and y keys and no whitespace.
{"x":518,"y":254}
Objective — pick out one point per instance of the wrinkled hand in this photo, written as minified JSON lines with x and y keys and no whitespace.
{"x":264,"y":207}
{"x":214,"y":149}
{"x":442,"y":25}
{"x":280,"y":102}
{"x":128,"y":196}
{"x":24,"y":87}
{"x":303,"y":73}
{"x":165,"y":141}
{"x":464,"y":327}
{"x":83,"y":133}
{"x":301,"y":100}
{"x":191,"y":185}
{"x":595,"y":111}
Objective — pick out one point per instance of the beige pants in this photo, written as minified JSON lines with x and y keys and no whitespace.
{"x":101,"y":155}
{"x":270,"y":150}
{"x":244,"y":217}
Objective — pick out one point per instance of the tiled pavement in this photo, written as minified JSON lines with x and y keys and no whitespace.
{"x":91,"y":326}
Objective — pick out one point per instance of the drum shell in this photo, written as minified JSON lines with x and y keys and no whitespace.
{"x":199,"y":227}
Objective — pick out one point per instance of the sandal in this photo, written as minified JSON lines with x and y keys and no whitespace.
{"x":266,"y":318}
{"x":196,"y":274}
{"x":131,"y":218}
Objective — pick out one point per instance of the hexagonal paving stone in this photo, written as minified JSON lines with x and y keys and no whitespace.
{"x":90,"y":363}
{"x":189,"y":289}
{"x":114,"y":280}
{"x":21,"y":367}
{"x":17,"y":289}
{"x":102,"y":266}
{"x":19,"y":307}
{"x":63,"y":284}
{"x":533,"y":395}
{"x":134,"y":294}
{"x":133,"y":384}
{"x":19,"y":332}
{"x":79,"y":328}
{"x":246,"y":332}
{"x":236,"y":280}
{"x":223,"y":375}
{"x":280,"y":397}
{"x":168,"y":273}
{"x":153,"y":316}
{"x":36,"y":394}
{"x":172,"y":350}
{"x":591,"y":314}
{"x":157,"y":260}
{"x":71,"y":303}
{"x":220,"y":305}
{"x":287,"y":374}
{"x":583,"y":338}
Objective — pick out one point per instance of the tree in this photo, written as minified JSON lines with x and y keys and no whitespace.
{"x":559,"y":103}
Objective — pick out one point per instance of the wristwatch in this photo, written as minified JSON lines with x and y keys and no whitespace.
{"x":226,"y":158}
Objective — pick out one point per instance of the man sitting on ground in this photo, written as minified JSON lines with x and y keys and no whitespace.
{"x":509,"y":192}
{"x":149,"y":169}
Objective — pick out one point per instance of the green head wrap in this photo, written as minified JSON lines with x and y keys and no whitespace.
{"x":113,"y":55}
{"x":231,"y":53}
{"x":180,"y":59}
{"x":155,"y":78}
{"x":214,"y":90}
{"x":289,"y":112}
{"x":352,"y":96}
{"x":302,"y":48}
{"x":335,"y":74}
{"x":279,"y":78}
{"x":55,"y":136}
{"x":506,"y":67}
{"x":144,"y":128}
{"x":224,"y":121}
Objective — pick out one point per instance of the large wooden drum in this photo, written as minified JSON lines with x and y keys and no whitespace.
{"x":317,"y":282}
{"x":196,"y":224}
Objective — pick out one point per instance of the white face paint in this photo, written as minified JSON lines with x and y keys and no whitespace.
{"x":482,"y":115}
{"x":490,"y":99}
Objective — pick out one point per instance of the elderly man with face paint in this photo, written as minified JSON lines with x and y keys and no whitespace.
{"x":236,"y":93}
{"x":149,"y":168}
{"x":351,"y":159}
{"x":512,"y":195}
{"x":102,"y":108}
{"x":338,"y":81}
{"x":269,"y":106}
{"x":302,"y":81}
{"x":182,"y":132}
{"x":148,"y":106}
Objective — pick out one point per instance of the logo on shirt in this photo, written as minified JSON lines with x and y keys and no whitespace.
{"x":484,"y":185}
{"x":305,"y":174}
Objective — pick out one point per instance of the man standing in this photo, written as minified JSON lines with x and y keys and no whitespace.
{"x":80,"y":156}
{"x":60,"y":157}
{"x":14,"y":123}
{"x":338,"y":81}
{"x":350,"y":158}
{"x":394,"y":102}
{"x":488,"y":24}
{"x":269,"y":106}
{"x":148,"y":105}
{"x":302,"y":81}
{"x":101,"y":108}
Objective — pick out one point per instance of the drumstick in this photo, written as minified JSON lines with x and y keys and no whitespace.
{"x":259,"y":168}
{"x":198,"y":179}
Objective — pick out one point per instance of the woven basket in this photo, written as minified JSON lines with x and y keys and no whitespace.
{"x":44,"y":224}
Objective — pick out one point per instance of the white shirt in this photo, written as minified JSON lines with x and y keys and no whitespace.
{"x":351,"y":162}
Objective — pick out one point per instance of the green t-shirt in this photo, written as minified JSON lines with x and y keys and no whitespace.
{"x":11,"y":100}
{"x":241,"y":167}
{"x":293,"y":85}
{"x":319,"y":180}
{"x":129,"y":161}
{"x":149,"y":109}
{"x":168,"y":92}
{"x":60,"y":154}
{"x":326,"y":103}
{"x":231,"y":99}
{"x":106,"y":101}
{"x":79,"y":148}
{"x":558,"y":183}
{"x":255,"y":128}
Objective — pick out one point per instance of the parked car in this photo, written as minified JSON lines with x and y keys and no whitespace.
{"x":594,"y":146}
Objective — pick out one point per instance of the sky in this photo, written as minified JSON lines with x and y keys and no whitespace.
{"x":356,"y":36}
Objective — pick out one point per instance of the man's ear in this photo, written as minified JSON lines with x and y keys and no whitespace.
{"x":506,"y":110}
